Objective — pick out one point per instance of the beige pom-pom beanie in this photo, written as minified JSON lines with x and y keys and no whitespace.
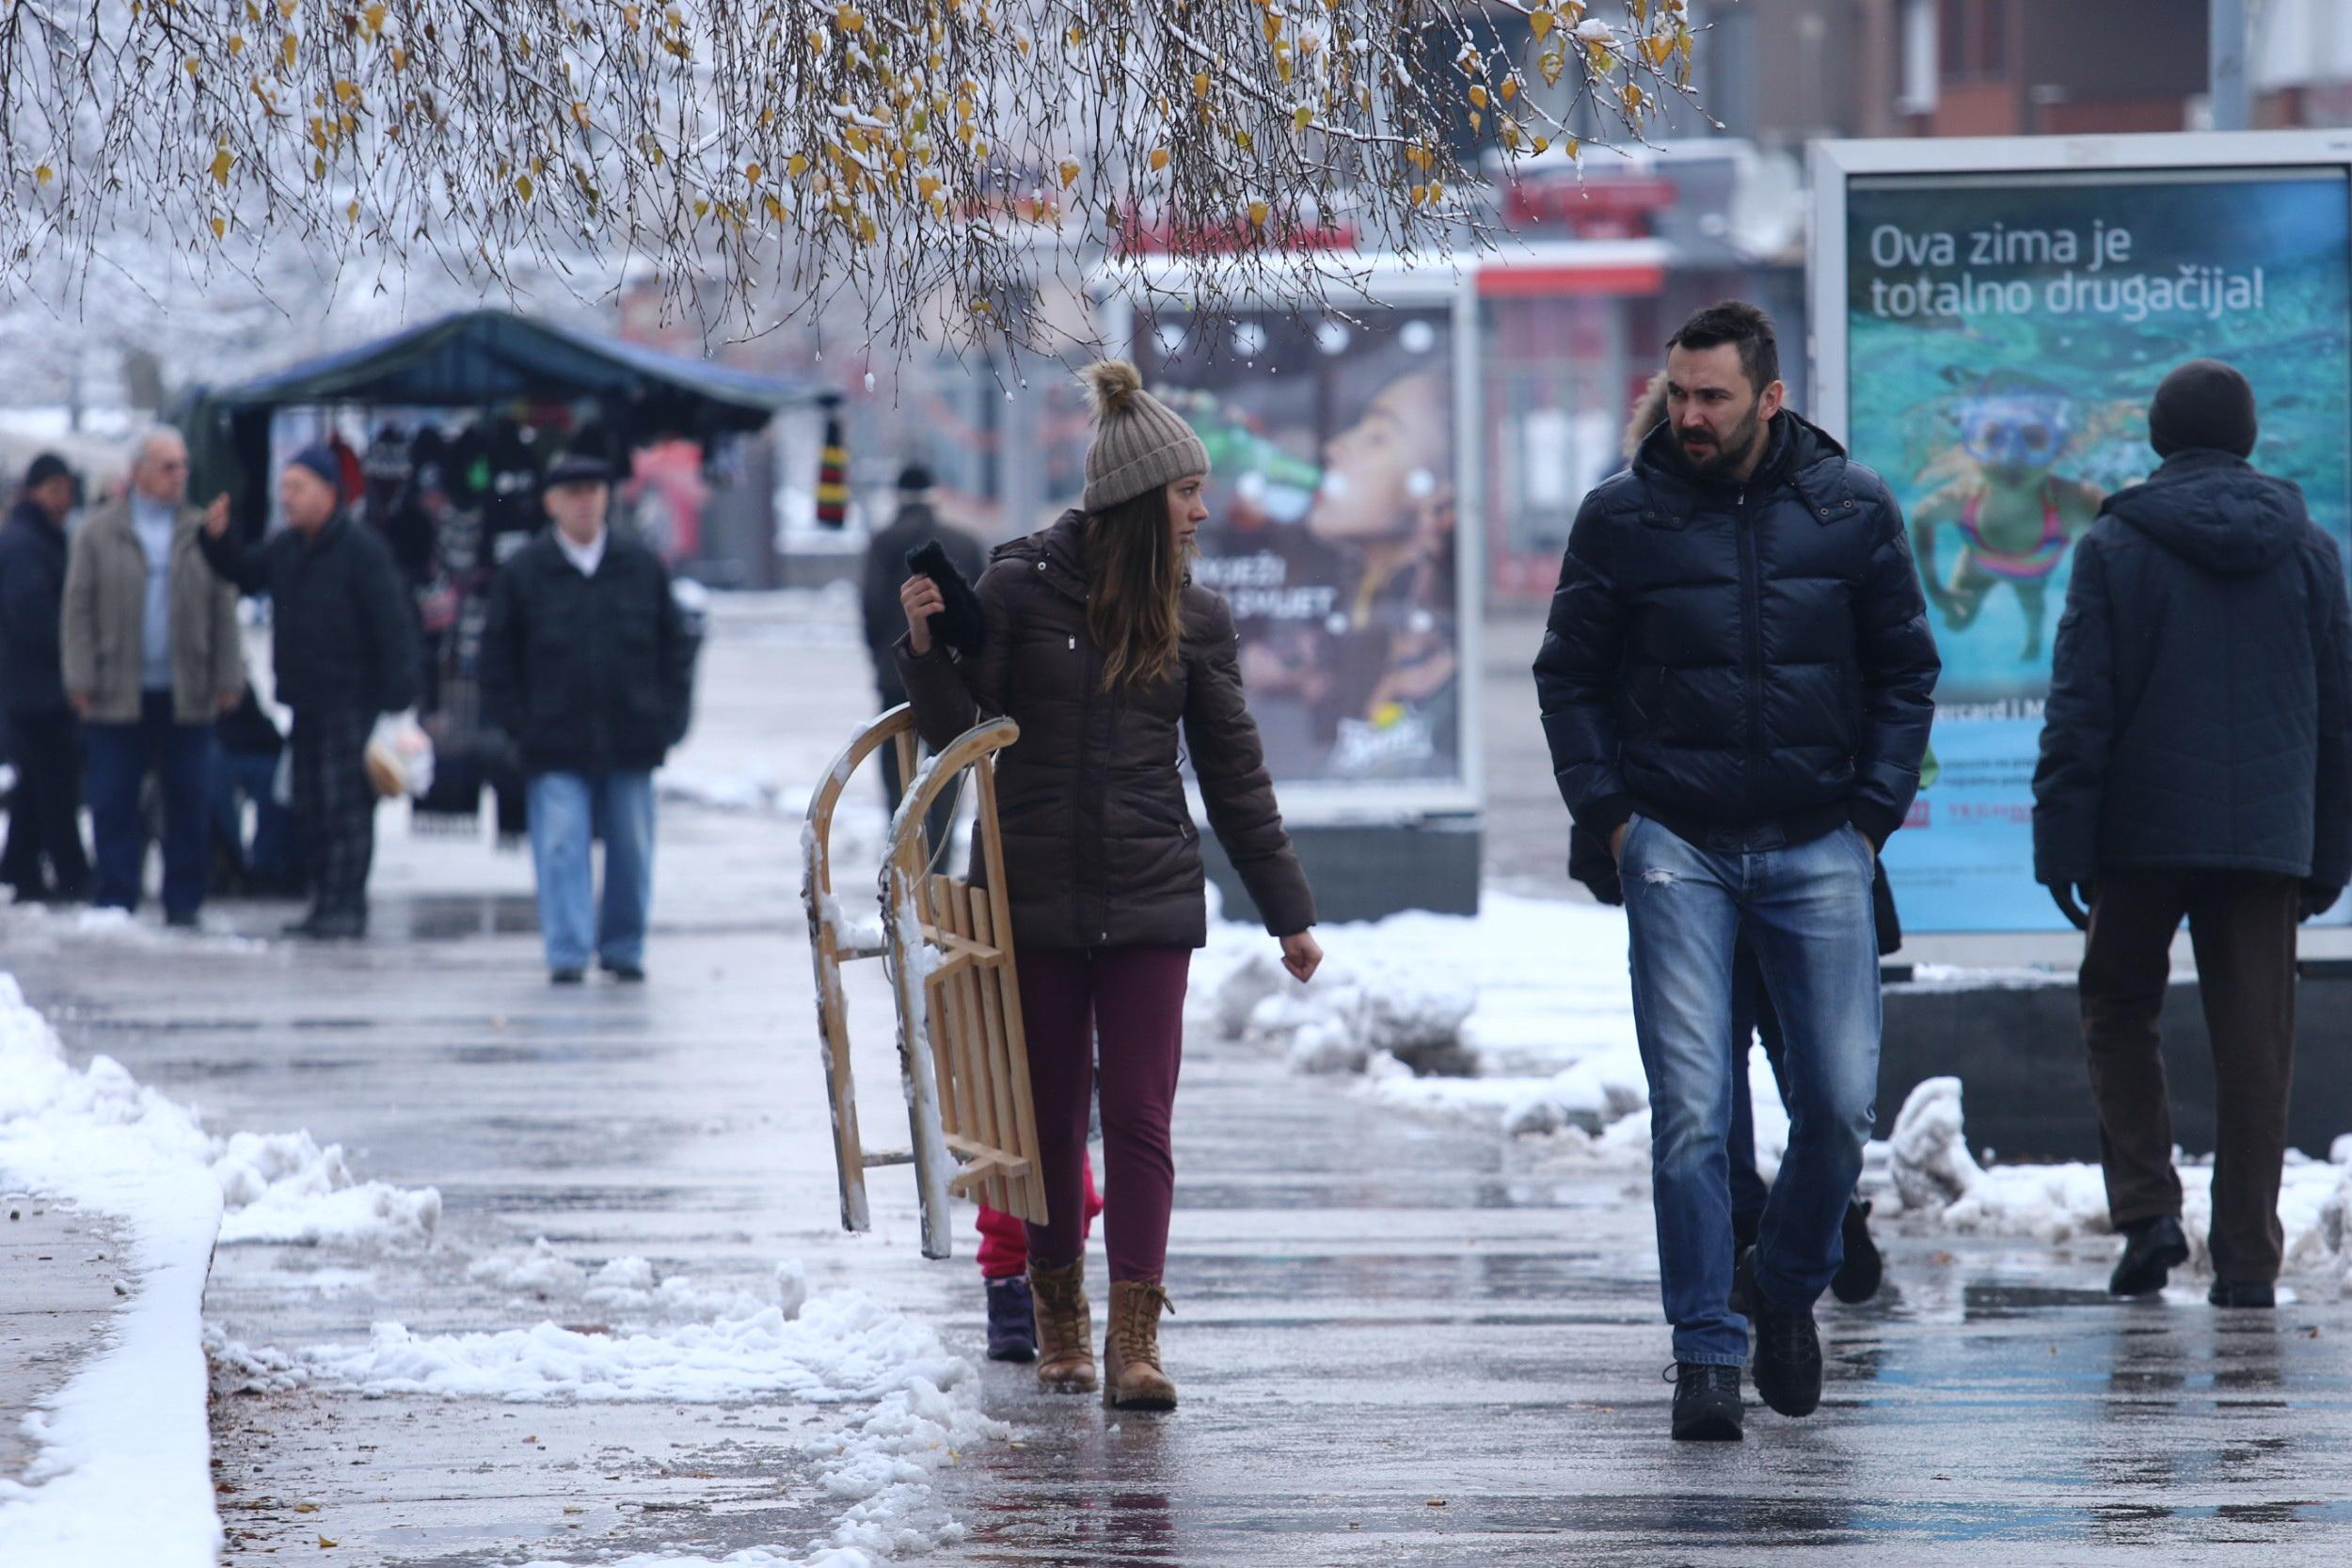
{"x":1139,"y":442}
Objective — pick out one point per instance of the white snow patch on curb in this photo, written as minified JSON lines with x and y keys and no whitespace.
{"x":122,"y":1476}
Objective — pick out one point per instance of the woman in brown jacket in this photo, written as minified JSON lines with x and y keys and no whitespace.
{"x":1108,"y":657}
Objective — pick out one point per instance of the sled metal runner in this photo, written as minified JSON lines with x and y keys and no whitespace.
{"x":947,"y":947}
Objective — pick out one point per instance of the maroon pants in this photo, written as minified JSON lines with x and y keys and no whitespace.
{"x":1132,"y":998}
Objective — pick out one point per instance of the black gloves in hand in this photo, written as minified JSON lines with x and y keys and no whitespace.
{"x":959,"y":625}
{"x":2317,"y":899}
{"x":2074,"y":900}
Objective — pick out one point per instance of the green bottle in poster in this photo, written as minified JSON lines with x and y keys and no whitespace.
{"x":1261,"y":472}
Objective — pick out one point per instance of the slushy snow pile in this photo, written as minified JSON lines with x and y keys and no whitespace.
{"x":1934,"y":1176}
{"x":675,"y":1341}
{"x":122,"y":1474}
{"x":1522,"y":1017}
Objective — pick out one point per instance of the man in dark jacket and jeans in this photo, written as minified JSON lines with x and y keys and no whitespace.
{"x":586,"y":663}
{"x":44,"y":819}
{"x":2197,"y":763}
{"x":1736,"y":687}
{"x":343,"y":645}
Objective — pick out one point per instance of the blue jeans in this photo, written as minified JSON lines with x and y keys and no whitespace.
{"x":236,"y":778}
{"x":569,"y":812}
{"x":119,"y":758}
{"x":1804,"y":911}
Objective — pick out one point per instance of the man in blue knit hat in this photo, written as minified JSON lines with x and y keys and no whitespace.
{"x":345,"y":649}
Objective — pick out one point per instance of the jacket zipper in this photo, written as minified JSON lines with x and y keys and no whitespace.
{"x":1752,"y":610}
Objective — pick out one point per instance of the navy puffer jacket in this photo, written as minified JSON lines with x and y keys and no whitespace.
{"x":2200,"y":708}
{"x":1734,"y":660}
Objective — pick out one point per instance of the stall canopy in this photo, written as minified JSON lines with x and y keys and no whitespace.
{"x":482,"y":359}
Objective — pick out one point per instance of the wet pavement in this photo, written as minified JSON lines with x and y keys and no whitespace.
{"x":1401,"y":1341}
{"x":1398,"y":1347}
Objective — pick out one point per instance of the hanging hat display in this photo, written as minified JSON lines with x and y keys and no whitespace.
{"x":833,"y":476}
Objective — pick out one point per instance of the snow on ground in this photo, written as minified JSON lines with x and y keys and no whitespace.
{"x":673,"y":1341}
{"x":1935,"y":1179}
{"x":1521,"y":1016}
{"x":122,"y":1474}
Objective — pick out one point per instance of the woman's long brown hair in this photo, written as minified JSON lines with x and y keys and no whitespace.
{"x":1135,"y":578}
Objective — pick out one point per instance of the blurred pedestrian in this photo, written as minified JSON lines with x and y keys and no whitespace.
{"x":586,"y":664}
{"x":244,"y":771}
{"x":1735,"y":685}
{"x":915,"y":526}
{"x":151,"y":654}
{"x":2197,"y":763}
{"x":344,"y":651}
{"x":44,"y":860}
{"x":1100,"y":646}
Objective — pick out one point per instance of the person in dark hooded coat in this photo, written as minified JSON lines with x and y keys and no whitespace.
{"x":2197,"y":763}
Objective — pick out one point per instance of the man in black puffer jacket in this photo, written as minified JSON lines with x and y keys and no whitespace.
{"x":587,"y":664}
{"x":1735,"y":685}
{"x":2197,"y":763}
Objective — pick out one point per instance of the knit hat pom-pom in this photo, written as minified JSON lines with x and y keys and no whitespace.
{"x":1110,"y":384}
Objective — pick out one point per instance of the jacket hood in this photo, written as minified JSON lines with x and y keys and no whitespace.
{"x":2217,"y":511}
{"x":1054,"y":548}
{"x":1801,"y":453}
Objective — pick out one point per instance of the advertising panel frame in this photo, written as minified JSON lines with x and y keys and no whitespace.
{"x":1832,"y":164}
{"x":1835,"y":165}
{"x":1380,"y":282}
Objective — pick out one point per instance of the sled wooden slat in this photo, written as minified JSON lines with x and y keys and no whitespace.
{"x":1007,"y":1001}
{"x":962,"y":1058}
{"x":976,"y":1098}
{"x":956,"y":1010}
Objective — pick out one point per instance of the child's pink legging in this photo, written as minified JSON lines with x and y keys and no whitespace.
{"x":1004,"y":1241}
{"x":1132,"y":998}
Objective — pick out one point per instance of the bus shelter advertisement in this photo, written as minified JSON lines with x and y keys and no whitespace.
{"x":1332,"y":530}
{"x":2004,"y":335}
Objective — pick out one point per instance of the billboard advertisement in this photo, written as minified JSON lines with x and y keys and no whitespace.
{"x":1997,"y":337}
{"x":1333,"y":534}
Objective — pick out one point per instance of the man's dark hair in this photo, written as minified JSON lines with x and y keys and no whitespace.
{"x":1735,"y":321}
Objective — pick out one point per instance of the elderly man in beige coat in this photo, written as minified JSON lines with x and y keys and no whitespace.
{"x":151,"y":655}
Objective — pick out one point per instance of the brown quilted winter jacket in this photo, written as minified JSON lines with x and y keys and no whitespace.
{"x":1100,"y":848}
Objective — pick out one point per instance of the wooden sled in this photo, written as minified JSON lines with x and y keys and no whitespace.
{"x":948,"y":947}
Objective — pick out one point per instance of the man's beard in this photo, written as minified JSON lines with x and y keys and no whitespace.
{"x":1734,"y":449}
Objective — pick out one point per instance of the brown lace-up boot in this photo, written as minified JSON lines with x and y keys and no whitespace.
{"x":1065,"y":1329}
{"x":1132,"y":1379}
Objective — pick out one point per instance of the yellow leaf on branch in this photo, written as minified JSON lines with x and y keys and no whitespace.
{"x":43,"y":174}
{"x":522,"y":186}
{"x":222,"y":164}
{"x":1159,"y":159}
{"x":1257,"y":214}
{"x":1068,"y":174}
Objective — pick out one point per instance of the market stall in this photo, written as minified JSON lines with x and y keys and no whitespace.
{"x":445,"y":429}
